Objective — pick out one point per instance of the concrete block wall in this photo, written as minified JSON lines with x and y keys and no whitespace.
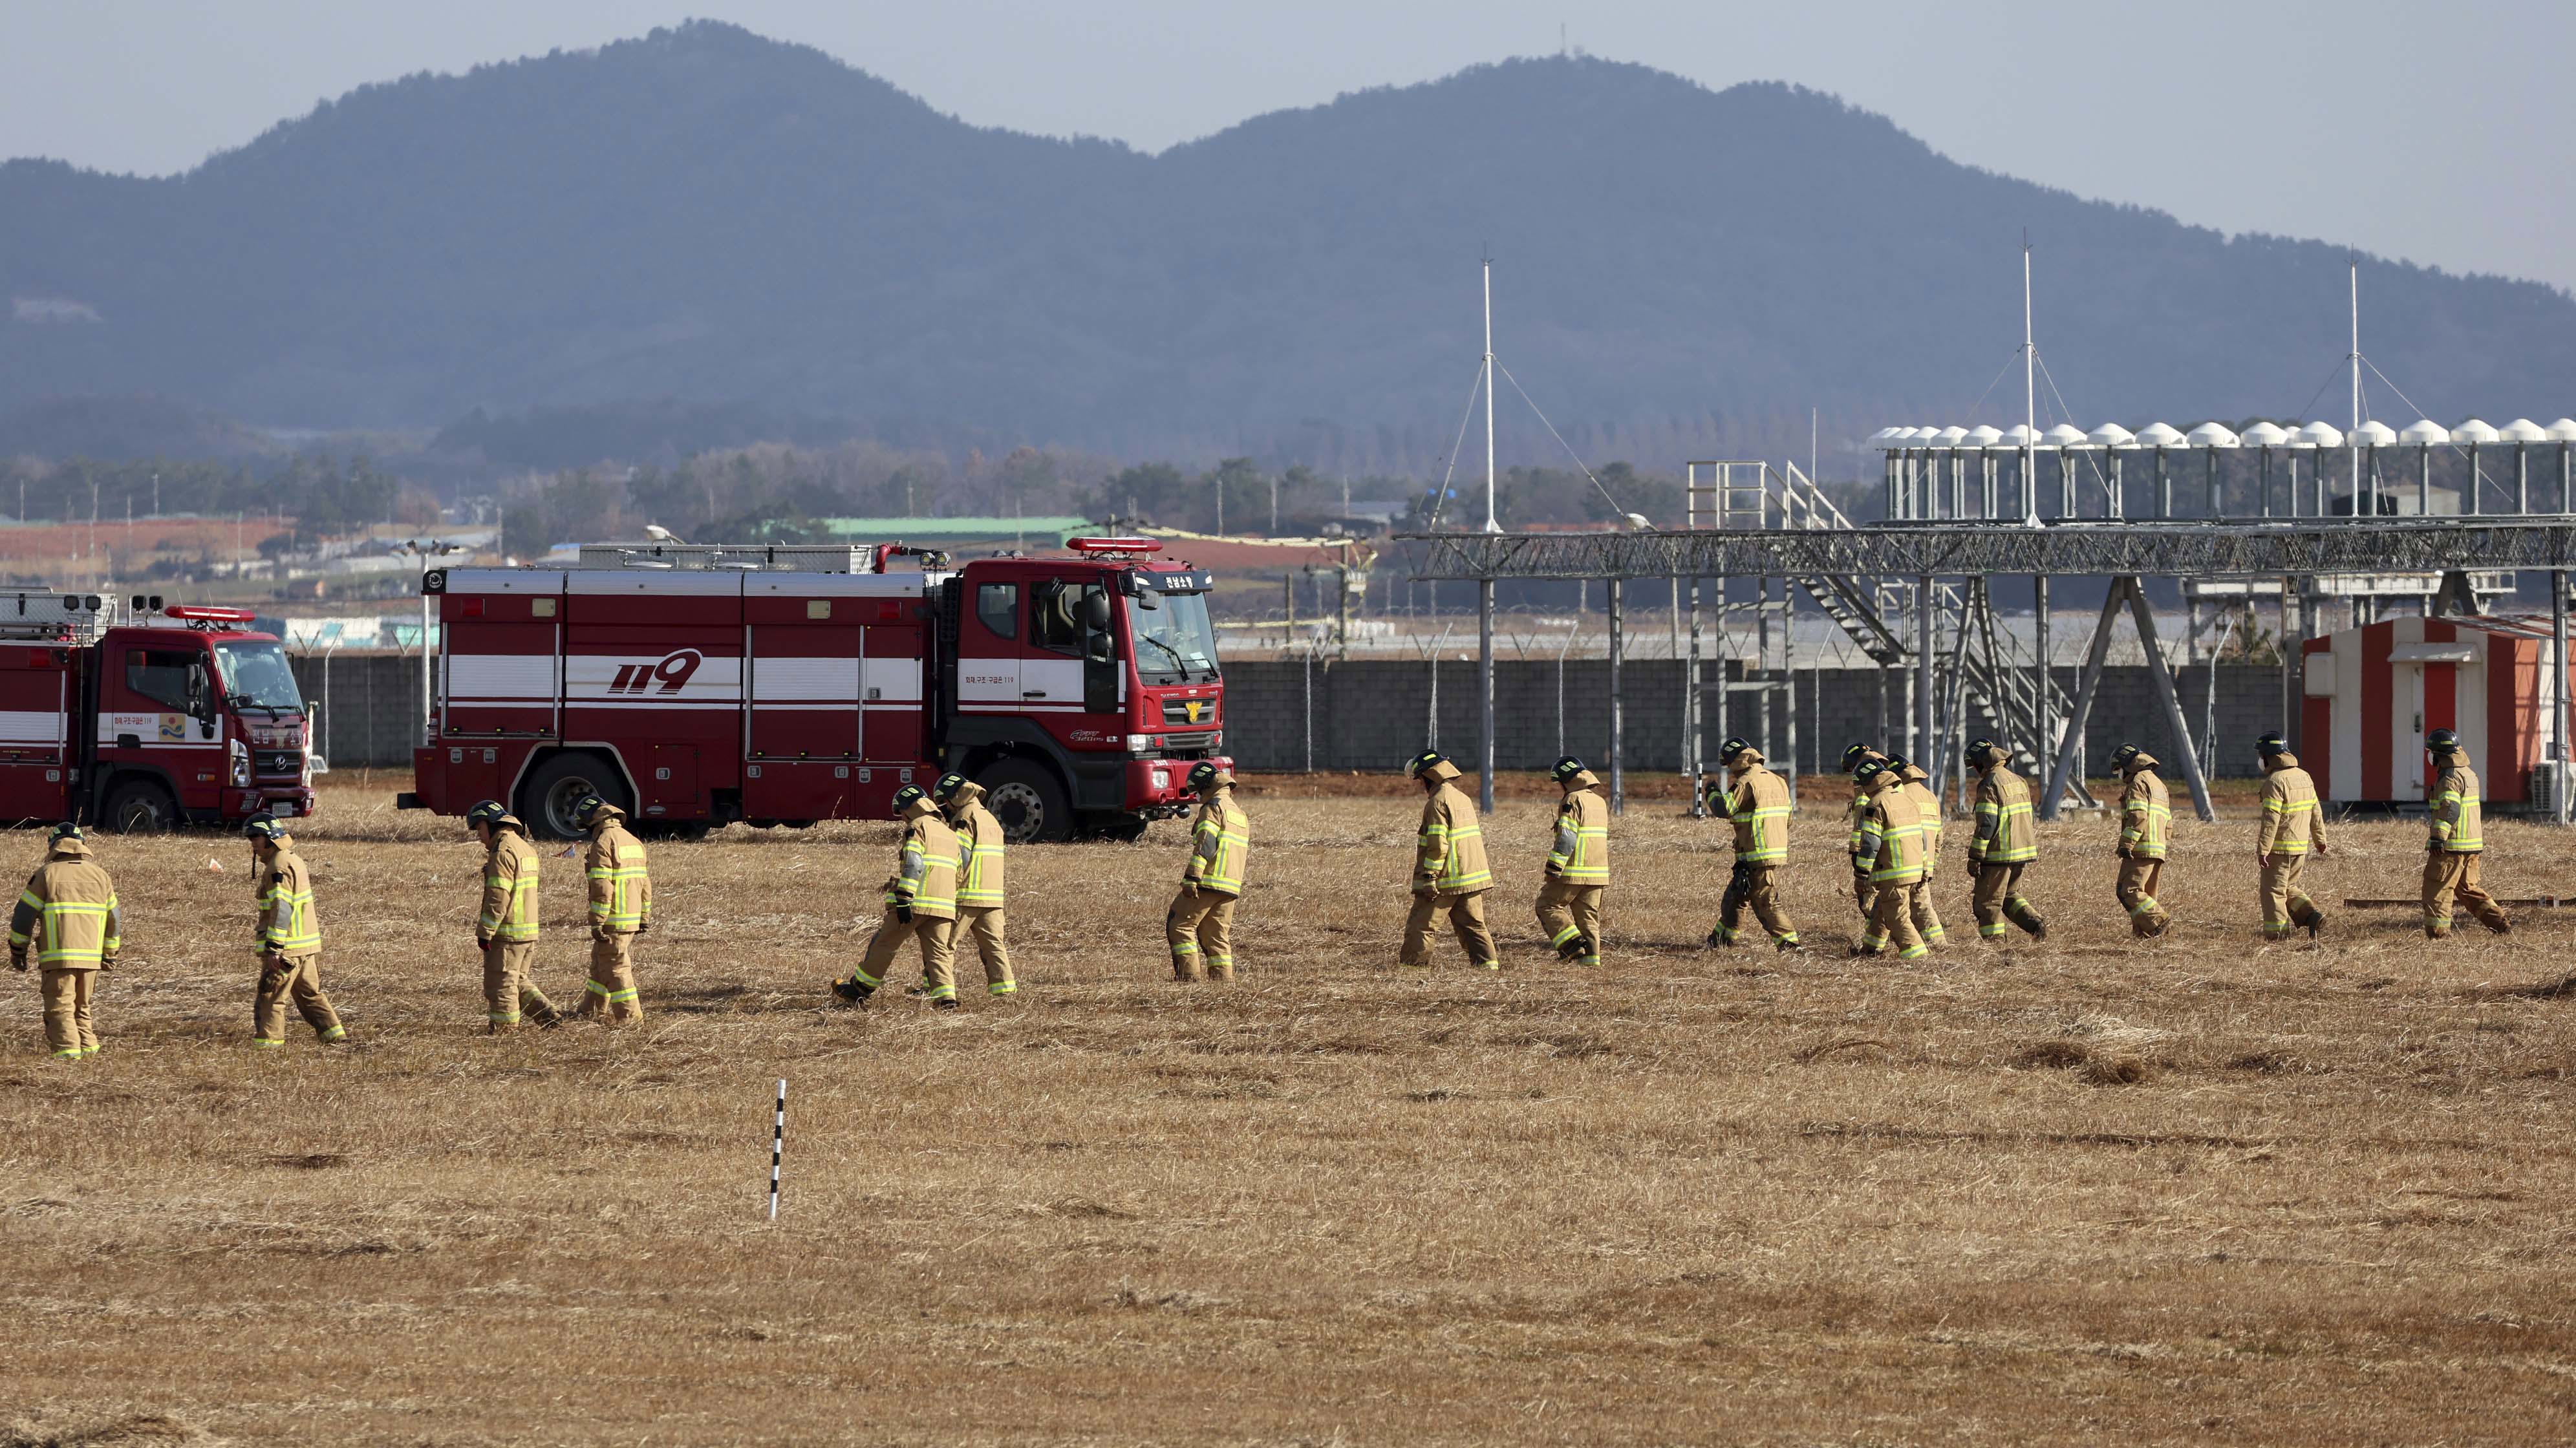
{"x":373,"y":713}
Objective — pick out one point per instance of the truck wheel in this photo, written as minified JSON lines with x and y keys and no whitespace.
{"x":554,"y":787}
{"x":1027,"y":800}
{"x":140,"y":807}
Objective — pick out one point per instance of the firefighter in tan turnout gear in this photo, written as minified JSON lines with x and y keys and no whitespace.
{"x":2292,"y":822}
{"x":621,"y":908}
{"x":1757,"y":804}
{"x":1927,"y":807}
{"x":2451,"y":852}
{"x":1864,"y":894}
{"x":1578,"y":865}
{"x":288,"y":940}
{"x":1200,"y":925}
{"x":68,"y":915}
{"x":1450,"y":873}
{"x":506,"y":928}
{"x":2146,"y":823}
{"x":1889,"y":846}
{"x":2005,"y":843}
{"x":920,"y":904}
{"x":979,"y":890}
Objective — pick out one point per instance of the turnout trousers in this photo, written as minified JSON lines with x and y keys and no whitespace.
{"x":1570,"y":916}
{"x":982,"y":924}
{"x":1754,"y":887}
{"x":67,"y":1023}
{"x":1466,"y":914}
{"x":1998,"y":898}
{"x":508,"y":993}
{"x":2448,"y":873}
{"x":1892,"y":922}
{"x":298,"y":978}
{"x":2286,"y":907}
{"x":938,"y":940}
{"x":1200,"y":930}
{"x":611,"y":989}
{"x":2137,"y":893}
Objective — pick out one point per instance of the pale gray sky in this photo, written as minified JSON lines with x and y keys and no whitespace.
{"x":2434,"y":133}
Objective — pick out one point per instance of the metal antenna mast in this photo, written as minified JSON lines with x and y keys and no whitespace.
{"x":1490,"y":525}
{"x":2029,"y":400}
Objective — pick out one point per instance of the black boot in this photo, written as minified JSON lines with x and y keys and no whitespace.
{"x":850,"y":990}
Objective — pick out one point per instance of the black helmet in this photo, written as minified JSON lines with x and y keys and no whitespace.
{"x":2443,"y":741}
{"x":263,"y":826}
{"x":2122,"y":755}
{"x":945,"y":789}
{"x":1203,"y":775}
{"x":585,"y":807}
{"x":1869,"y":769}
{"x":1565,"y":769}
{"x":1899,"y":763}
{"x":1735,"y":744}
{"x":1854,"y":755}
{"x":1979,"y":747}
{"x":487,"y":812}
{"x":904,"y":797}
{"x":65,"y":831}
{"x":1424,"y":760}
{"x":2271,"y":744}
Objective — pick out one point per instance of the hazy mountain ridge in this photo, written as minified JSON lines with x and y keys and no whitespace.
{"x":706,"y":216}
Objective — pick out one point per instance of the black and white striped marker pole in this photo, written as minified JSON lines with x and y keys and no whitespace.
{"x":777,"y":1147}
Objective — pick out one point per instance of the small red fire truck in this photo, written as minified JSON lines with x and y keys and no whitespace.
{"x":182,"y":716}
{"x":694,"y":685}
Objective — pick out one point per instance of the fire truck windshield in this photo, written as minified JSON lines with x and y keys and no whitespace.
{"x":1173,"y":642}
{"x":256,"y":675}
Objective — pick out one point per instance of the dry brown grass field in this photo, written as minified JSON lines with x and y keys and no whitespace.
{"x":2198,"y":1190}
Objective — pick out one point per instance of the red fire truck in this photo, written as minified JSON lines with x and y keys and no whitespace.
{"x":694,"y":685}
{"x":181,"y":716}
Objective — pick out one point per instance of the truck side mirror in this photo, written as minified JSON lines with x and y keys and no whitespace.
{"x":1097,"y":649}
{"x":1095,"y":611}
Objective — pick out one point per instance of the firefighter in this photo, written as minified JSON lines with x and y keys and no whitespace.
{"x":1927,"y":805}
{"x":2005,"y":843}
{"x":506,"y":930}
{"x":1578,"y":865}
{"x":1864,"y":895}
{"x":1450,"y":874}
{"x":2292,"y":821}
{"x":1889,"y":846}
{"x":1758,"y":806}
{"x":979,"y":891}
{"x":288,"y":940}
{"x":920,"y":904}
{"x":2451,"y":851}
{"x":621,"y":908}
{"x":68,"y":912}
{"x":2146,"y":822}
{"x":1200,"y":925}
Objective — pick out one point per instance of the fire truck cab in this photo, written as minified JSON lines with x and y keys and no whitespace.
{"x":695,"y":685}
{"x":180,"y":716}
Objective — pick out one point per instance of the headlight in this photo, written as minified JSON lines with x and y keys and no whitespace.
{"x":239,"y":753}
{"x":1139,"y":743}
{"x":1162,"y":779}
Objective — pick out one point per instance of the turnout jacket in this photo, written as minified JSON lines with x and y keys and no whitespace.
{"x":1918,"y":788}
{"x":2146,"y":811}
{"x":2456,"y":826}
{"x":2005,"y":834}
{"x":1889,"y":842}
{"x":979,"y":843}
{"x":1220,"y":843}
{"x":1579,"y":851}
{"x":925,"y":876}
{"x":2292,"y":818}
{"x":509,"y":886}
{"x":1452,"y":855}
{"x":68,"y":912}
{"x":1758,"y":806}
{"x":621,"y":888}
{"x":287,"y":924}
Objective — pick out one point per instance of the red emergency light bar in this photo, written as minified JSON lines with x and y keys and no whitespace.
{"x":199,"y":613}
{"x":1114,"y":545}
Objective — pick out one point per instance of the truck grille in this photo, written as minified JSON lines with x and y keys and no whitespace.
{"x":1177,"y":711}
{"x":1184,"y":744}
{"x":277,"y":763}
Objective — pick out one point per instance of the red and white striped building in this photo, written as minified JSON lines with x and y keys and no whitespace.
{"x":2373,"y":694}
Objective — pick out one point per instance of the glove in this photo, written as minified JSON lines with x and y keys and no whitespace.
{"x":17,"y":960}
{"x":2123,"y":852}
{"x":644,"y":924}
{"x":482,"y":942}
{"x":903,"y":914}
{"x":107,"y":962}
